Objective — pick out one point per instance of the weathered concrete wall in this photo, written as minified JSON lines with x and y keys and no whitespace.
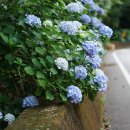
{"x":85,"y":116}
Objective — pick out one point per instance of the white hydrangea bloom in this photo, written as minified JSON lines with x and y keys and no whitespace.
{"x":61,"y":63}
{"x":47,"y":23}
{"x":9,"y":118}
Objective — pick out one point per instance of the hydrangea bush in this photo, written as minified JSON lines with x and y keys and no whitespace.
{"x":49,"y":51}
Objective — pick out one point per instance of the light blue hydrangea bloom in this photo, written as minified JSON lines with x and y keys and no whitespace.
{"x":95,"y":61}
{"x":96,"y":22}
{"x":33,"y":20}
{"x":30,"y":101}
{"x":1,"y":115}
{"x":76,"y":7}
{"x":80,"y":72}
{"x":101,"y":79}
{"x":85,"y":18}
{"x":9,"y":118}
{"x":94,"y":7}
{"x":90,"y":47}
{"x":105,"y":30}
{"x":87,"y":2}
{"x":74,"y":93}
{"x":70,"y":27}
{"x":101,"y":11}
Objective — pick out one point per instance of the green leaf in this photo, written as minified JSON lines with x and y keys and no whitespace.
{"x":49,"y":95}
{"x":36,"y":62}
{"x":40,"y":50}
{"x":68,"y":57}
{"x":54,"y":71}
{"x":42,"y":83}
{"x":50,"y":59}
{"x":19,"y":60}
{"x":40,"y":75}
{"x":63,"y":97}
{"x":29,"y":70}
{"x":43,"y":62}
{"x":10,"y":58}
{"x":5,"y":38}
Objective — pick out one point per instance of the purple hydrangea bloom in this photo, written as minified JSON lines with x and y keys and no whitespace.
{"x":87,"y":2}
{"x":1,"y":115}
{"x":95,"y":61}
{"x":70,"y":27}
{"x":74,"y":93}
{"x":105,"y":30}
{"x":9,"y":118}
{"x":90,"y":47}
{"x":101,"y":79}
{"x":80,"y":72}
{"x":85,"y":18}
{"x":30,"y":101}
{"x":76,"y":7}
{"x":33,"y":20}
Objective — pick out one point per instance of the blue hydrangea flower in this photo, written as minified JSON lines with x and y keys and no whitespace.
{"x":9,"y":118}
{"x":87,"y":2}
{"x":1,"y":115}
{"x":74,"y":93}
{"x":75,"y":7}
{"x":96,"y":22}
{"x":101,"y":11}
{"x":70,"y":27}
{"x":33,"y":20}
{"x":85,"y":18}
{"x":101,"y":79}
{"x":105,"y":30}
{"x":80,"y":72}
{"x":30,"y":101}
{"x":94,"y":7}
{"x":95,"y":61}
{"x":90,"y":48}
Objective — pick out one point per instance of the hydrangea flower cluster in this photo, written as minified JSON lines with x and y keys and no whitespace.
{"x":76,"y":7}
{"x":85,"y":18}
{"x":9,"y":118}
{"x":33,"y":20}
{"x":30,"y":101}
{"x":47,"y":23}
{"x":80,"y":72}
{"x":93,"y":6}
{"x":74,"y":93}
{"x":1,"y":115}
{"x":96,"y":22}
{"x":101,"y":79}
{"x":61,"y":63}
{"x":90,"y":48}
{"x":105,"y":30}
{"x":95,"y":61}
{"x":87,"y":2}
{"x":70,"y":27}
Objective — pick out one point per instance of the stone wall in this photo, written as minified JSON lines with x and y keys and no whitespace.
{"x":84,"y":116}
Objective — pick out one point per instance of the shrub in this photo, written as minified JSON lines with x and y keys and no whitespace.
{"x":42,"y":52}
